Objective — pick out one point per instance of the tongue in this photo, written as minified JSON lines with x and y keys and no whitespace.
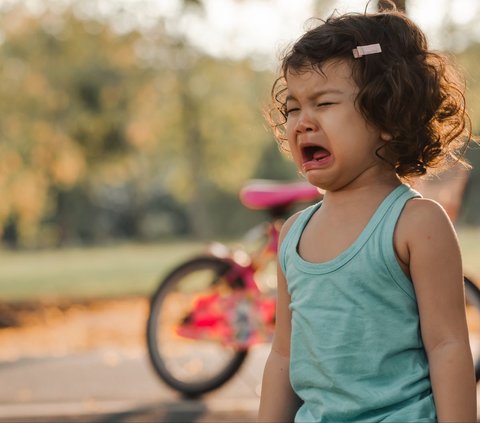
{"x":320,"y":154}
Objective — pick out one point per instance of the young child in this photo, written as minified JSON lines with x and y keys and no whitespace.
{"x":371,"y":320}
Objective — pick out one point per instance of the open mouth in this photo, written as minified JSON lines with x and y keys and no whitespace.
{"x":314,"y":153}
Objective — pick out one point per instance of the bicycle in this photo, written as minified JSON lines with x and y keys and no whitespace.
{"x":208,"y":312}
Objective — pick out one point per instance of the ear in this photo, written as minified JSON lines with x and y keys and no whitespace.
{"x":385,"y":136}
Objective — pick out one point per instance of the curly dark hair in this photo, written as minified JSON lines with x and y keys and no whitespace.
{"x":408,"y":91}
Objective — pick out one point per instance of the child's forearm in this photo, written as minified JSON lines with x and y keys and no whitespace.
{"x":278,"y":402}
{"x":453,"y":382}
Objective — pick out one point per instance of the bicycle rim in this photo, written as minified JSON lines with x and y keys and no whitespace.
{"x":472,"y":296}
{"x":191,"y":366}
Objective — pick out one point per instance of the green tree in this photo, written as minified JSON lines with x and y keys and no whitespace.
{"x":220,"y":128}
{"x":104,"y":109}
{"x":71,"y":125}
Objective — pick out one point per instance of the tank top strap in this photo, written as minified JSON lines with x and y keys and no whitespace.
{"x":397,"y":205}
{"x":387,"y":231}
{"x":293,"y":235}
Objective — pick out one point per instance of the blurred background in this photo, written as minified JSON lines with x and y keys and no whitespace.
{"x":126,"y":125}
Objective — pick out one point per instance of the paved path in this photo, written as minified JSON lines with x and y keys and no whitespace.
{"x":118,"y":386}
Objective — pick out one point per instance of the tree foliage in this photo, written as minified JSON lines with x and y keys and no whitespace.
{"x":102,"y":129}
{"x":86,"y":108}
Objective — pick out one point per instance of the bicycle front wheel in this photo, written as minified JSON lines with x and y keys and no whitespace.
{"x":192,"y":359}
{"x":472,"y":297}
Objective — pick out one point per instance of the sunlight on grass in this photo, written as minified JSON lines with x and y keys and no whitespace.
{"x":89,"y":272}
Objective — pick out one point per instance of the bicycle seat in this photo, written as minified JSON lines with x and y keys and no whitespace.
{"x":264,"y":194}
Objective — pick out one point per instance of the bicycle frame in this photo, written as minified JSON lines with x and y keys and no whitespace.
{"x":248,"y":294}
{"x":245,"y":265}
{"x":239,"y":305}
{"x":247,"y":303}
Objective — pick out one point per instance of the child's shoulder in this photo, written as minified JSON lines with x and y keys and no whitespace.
{"x":421,"y":210}
{"x":287,"y":225}
{"x":292,"y":219}
{"x":422,"y":216}
{"x":423,"y":226}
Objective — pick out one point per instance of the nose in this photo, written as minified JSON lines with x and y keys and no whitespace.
{"x":306,"y":123}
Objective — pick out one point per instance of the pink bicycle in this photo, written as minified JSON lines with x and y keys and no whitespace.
{"x":209,"y":311}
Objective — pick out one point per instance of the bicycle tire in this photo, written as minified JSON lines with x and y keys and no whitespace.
{"x":177,"y":291}
{"x":472,"y":297}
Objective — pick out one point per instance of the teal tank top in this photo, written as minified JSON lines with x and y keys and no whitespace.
{"x":356,"y":350}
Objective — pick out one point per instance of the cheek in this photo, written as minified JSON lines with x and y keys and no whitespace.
{"x":295,"y":155}
{"x":289,"y":128}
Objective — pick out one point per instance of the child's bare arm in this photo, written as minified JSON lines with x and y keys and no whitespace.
{"x":279,"y":402}
{"x":436,"y":269}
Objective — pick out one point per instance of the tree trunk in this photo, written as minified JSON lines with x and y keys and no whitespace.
{"x":195,"y":154}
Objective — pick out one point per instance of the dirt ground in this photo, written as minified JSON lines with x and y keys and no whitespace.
{"x":55,"y":328}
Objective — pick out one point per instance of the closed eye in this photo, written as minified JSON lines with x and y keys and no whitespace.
{"x":325,"y":104}
{"x":291,"y":110}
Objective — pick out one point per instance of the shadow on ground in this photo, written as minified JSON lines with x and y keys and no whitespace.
{"x":174,"y":412}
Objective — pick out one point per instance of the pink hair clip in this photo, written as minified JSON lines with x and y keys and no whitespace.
{"x":364,"y":50}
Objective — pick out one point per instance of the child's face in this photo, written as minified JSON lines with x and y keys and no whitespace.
{"x":330,"y":141}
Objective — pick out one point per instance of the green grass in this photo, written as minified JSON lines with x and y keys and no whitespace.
{"x":470,"y":244}
{"x":89,"y":272}
{"x":132,"y":269}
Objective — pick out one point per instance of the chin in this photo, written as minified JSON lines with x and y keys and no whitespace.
{"x":325,"y":185}
{"x":317,"y":182}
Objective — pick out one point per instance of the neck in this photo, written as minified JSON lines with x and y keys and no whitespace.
{"x":358,"y":194}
